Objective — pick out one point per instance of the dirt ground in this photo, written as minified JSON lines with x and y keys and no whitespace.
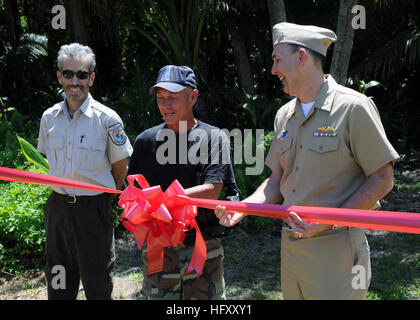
{"x":128,"y":271}
{"x":127,"y":284}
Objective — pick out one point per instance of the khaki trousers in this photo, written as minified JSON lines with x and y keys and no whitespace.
{"x":332,"y":265}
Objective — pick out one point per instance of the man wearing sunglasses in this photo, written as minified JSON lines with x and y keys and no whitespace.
{"x":84,"y":141}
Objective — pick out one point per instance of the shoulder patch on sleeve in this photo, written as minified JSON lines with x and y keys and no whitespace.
{"x":117,"y":134}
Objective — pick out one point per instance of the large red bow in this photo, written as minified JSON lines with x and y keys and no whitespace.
{"x":160,"y":219}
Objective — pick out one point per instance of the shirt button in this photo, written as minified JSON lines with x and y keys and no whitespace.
{"x":297,"y":168}
{"x":300,"y":147}
{"x":293,"y":190}
{"x":320,"y":148}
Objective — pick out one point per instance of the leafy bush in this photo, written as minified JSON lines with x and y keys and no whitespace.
{"x":247,"y":184}
{"x":22,"y":230}
{"x":137,"y":108}
{"x":12,"y":122}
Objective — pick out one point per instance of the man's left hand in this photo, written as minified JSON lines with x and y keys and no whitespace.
{"x":302,"y":229}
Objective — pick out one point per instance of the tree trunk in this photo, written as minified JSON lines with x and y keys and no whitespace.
{"x":105,"y":42}
{"x":243,"y":65}
{"x":241,"y":56}
{"x":277,"y":11}
{"x":12,"y":23}
{"x":40,"y":10}
{"x":344,"y":44}
{"x":78,"y":27}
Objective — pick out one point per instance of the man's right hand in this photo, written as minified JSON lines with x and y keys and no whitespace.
{"x":227,"y":219}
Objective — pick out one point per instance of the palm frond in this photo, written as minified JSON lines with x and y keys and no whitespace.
{"x":404,"y":50}
{"x":32,"y":46}
{"x":175,"y":30}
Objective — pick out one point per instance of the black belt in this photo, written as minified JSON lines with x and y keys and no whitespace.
{"x":74,"y":198}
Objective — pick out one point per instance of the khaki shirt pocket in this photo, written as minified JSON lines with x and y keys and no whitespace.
{"x":283,"y":151}
{"x":323,"y":156}
{"x":55,"y":152}
{"x":91,"y":154}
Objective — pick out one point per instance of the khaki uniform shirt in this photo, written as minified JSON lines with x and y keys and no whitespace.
{"x":84,"y":147}
{"x":324,"y":158}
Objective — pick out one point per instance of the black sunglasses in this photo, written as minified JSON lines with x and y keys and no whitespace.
{"x":81,"y":74}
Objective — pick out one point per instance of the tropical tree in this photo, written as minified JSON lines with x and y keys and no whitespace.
{"x":277,"y":11}
{"x":77,"y":21}
{"x":344,"y":45}
{"x":176,"y":31}
{"x":395,"y":26}
{"x":12,"y":23}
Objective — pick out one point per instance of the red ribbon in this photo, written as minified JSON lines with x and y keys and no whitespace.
{"x":42,"y":179}
{"x":370,"y":219}
{"x":160,"y":219}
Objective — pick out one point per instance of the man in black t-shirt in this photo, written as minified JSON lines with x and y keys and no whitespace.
{"x":198,"y":156}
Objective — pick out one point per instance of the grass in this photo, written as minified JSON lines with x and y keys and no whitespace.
{"x":411,"y":187}
{"x":252,"y":266}
{"x":396,"y":274}
{"x":252,"y":271}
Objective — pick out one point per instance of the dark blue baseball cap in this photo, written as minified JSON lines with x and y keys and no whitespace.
{"x":174,"y":79}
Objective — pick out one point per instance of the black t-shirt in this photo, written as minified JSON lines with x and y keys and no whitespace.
{"x":202,"y":155}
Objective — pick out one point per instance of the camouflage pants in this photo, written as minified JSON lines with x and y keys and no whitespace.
{"x":173,"y":284}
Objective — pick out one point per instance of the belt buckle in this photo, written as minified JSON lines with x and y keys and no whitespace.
{"x":74,"y":199}
{"x":287,"y":228}
{"x":289,"y":232}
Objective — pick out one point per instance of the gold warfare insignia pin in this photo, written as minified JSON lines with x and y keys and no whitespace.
{"x":325,"y":131}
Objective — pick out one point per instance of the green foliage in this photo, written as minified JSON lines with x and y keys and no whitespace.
{"x":402,"y":49}
{"x":261,"y":111}
{"x":247,"y":184}
{"x":136,"y":106}
{"x":395,"y":274}
{"x":361,"y":85}
{"x":22,"y":79}
{"x":33,"y":47}
{"x":22,"y":231}
{"x":32,"y":155}
{"x":175,"y":32}
{"x":11,"y":121}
